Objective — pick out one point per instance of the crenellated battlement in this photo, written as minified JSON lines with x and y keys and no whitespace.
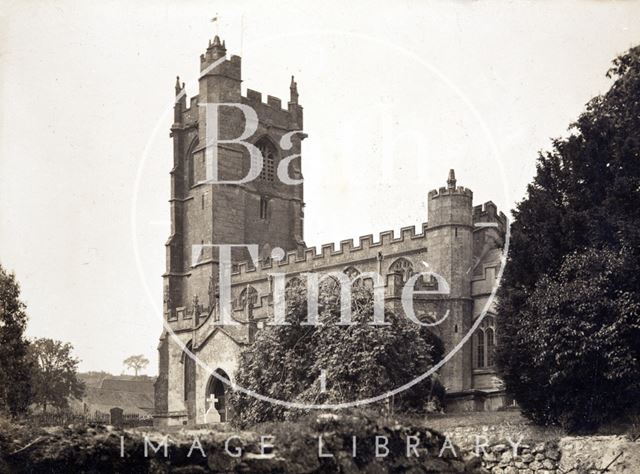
{"x":488,"y":212}
{"x":252,"y":97}
{"x":456,"y":191}
{"x":255,"y":98}
{"x":329,"y":254}
{"x":189,"y":114}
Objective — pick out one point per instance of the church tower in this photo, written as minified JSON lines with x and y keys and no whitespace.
{"x":264,"y":211}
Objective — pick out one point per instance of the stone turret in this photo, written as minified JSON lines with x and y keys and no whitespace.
{"x":450,"y":243}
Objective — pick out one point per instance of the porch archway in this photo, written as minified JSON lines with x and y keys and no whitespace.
{"x":220,"y":390}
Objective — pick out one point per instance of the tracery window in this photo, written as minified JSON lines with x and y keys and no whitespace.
{"x":248,"y":295}
{"x":404,"y":267}
{"x":484,"y":343}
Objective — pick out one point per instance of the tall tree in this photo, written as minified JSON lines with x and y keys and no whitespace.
{"x":583,"y":204}
{"x":136,"y":363}
{"x":56,"y":374}
{"x":15,"y":364}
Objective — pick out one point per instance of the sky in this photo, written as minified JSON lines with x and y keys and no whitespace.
{"x":394,"y":95}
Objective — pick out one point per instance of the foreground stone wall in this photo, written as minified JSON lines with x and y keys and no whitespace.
{"x":293,"y":449}
{"x":541,"y":458}
{"x":618,"y":454}
{"x":568,"y":454}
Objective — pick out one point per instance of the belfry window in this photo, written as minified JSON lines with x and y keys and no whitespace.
{"x":484,"y":343}
{"x":269,"y":160}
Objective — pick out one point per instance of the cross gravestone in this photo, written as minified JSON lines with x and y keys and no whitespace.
{"x":212,"y":416}
{"x":116,"y":418}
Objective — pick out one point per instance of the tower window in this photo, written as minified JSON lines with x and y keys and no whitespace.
{"x":264,"y":207}
{"x":269,"y":160}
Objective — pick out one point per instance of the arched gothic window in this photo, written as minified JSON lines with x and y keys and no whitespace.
{"x":404,"y":267}
{"x":484,"y":343}
{"x":250,"y":295}
{"x":269,"y":160}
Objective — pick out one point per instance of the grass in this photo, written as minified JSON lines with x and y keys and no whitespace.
{"x":509,"y":422}
{"x":449,"y":421}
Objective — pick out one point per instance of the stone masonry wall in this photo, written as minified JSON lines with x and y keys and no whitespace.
{"x":563,"y":455}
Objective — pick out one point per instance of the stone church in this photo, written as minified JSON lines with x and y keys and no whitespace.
{"x":460,"y":241}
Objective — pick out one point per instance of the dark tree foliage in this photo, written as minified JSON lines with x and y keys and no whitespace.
{"x":15,"y":364}
{"x":584,"y":323}
{"x":55,"y":374}
{"x":583,"y":204}
{"x":360,"y":360}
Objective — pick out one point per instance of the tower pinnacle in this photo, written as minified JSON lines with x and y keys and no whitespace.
{"x":451,"y":181}
{"x":293,"y":88}
{"x":218,"y":49}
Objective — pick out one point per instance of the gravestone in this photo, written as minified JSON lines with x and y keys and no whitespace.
{"x":116,"y":417}
{"x":211,"y":416}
